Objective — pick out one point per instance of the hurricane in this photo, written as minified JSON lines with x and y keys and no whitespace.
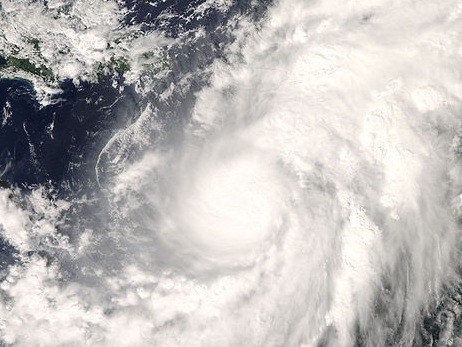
{"x":230,"y":173}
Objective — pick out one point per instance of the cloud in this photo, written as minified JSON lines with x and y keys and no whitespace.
{"x":308,"y":201}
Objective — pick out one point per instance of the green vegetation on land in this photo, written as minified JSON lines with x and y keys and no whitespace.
{"x":114,"y":65}
{"x":63,"y":11}
{"x":119,"y":64}
{"x":36,"y":44}
{"x":27,"y":66}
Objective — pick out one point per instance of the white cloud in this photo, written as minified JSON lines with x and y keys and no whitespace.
{"x":325,"y":153}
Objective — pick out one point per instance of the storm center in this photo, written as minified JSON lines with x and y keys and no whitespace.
{"x":232,"y":205}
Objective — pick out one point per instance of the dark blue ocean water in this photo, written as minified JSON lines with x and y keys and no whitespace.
{"x":58,"y":146}
{"x":55,"y":144}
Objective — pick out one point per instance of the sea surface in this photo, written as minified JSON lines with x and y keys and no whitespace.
{"x":230,"y":173}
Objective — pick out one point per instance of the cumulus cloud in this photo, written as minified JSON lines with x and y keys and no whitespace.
{"x":308,"y":203}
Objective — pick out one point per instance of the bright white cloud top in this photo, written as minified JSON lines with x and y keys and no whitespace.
{"x":312,"y":199}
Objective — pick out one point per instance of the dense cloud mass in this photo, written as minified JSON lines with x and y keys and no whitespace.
{"x":293,"y":179}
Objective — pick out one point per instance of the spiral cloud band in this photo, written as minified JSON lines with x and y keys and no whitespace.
{"x":312,"y":198}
